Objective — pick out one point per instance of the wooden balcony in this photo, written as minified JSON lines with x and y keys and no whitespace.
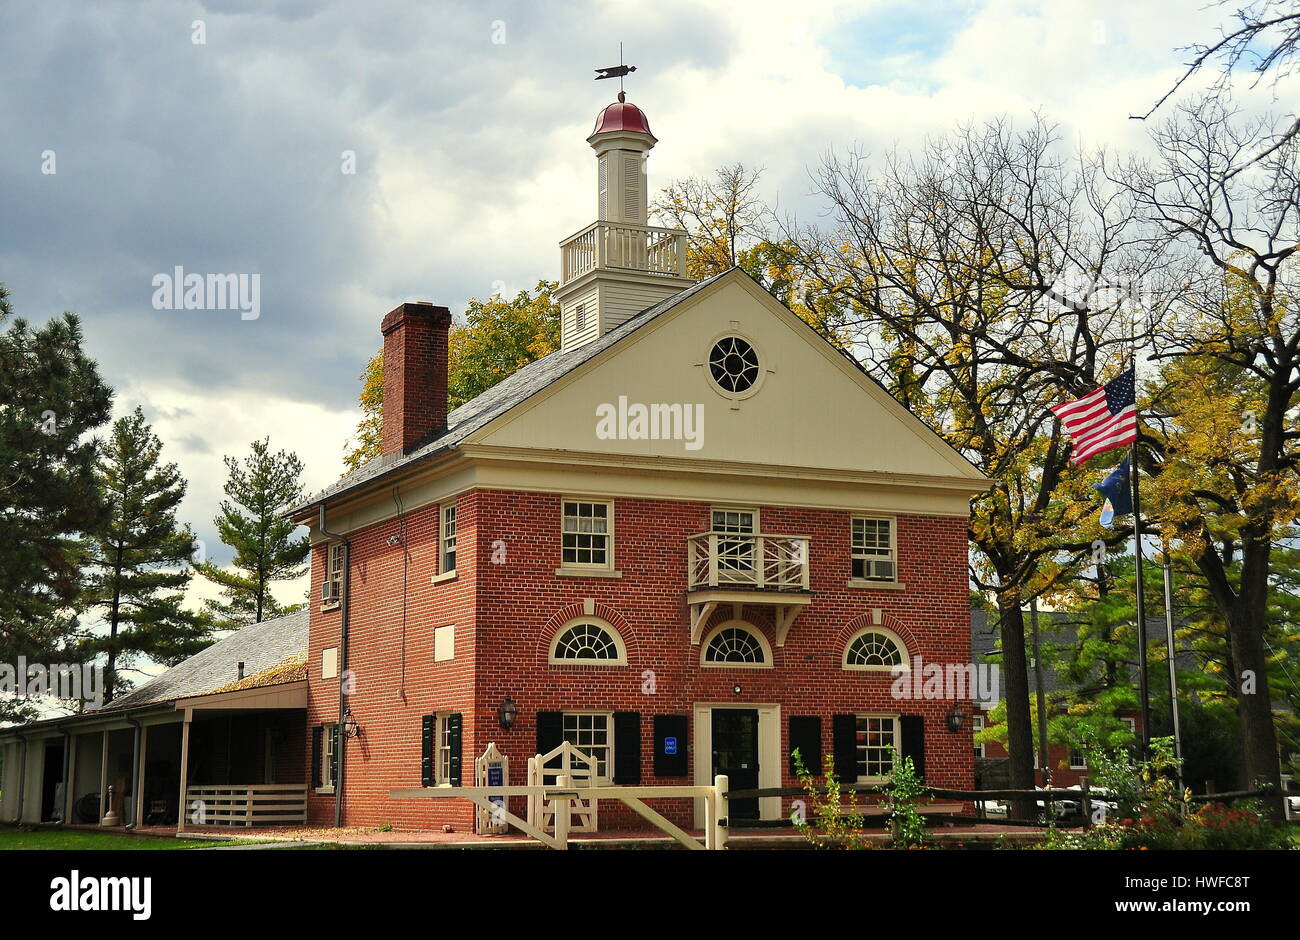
{"x":765,"y":570}
{"x":623,"y":246}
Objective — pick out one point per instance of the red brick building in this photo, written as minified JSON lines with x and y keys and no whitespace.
{"x":694,"y":538}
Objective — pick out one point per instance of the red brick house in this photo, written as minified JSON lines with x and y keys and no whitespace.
{"x":694,"y":538}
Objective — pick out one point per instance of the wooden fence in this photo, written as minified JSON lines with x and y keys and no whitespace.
{"x":260,"y":804}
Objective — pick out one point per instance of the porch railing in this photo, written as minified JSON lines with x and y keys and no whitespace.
{"x":254,"y":804}
{"x":764,"y":562}
{"x":642,"y":248}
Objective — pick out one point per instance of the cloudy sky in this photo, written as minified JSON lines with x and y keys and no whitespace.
{"x":467,"y":121}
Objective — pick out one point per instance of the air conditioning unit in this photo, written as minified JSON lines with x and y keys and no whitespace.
{"x":880,"y":570}
{"x":329,"y":591}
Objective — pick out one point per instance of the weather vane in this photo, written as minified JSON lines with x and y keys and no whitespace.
{"x":616,"y":71}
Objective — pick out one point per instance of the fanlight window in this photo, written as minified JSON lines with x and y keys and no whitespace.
{"x":587,"y":642}
{"x":736,"y":646}
{"x":875,"y":649}
{"x":733,"y":363}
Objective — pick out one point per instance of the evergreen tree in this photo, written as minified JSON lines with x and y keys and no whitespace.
{"x":252,"y":521}
{"x":52,"y":398}
{"x":139,"y":558}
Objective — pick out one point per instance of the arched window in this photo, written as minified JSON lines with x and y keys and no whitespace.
{"x":875,"y":649}
{"x":588,"y":641}
{"x":736,"y":644}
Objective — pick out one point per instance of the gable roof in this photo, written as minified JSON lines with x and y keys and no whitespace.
{"x":259,"y":646}
{"x":540,"y":374}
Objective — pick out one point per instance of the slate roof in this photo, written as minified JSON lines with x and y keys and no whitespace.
{"x":500,"y":398}
{"x":259,"y":646}
{"x":1057,"y":630}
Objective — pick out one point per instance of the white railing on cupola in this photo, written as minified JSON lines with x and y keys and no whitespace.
{"x":623,"y":246}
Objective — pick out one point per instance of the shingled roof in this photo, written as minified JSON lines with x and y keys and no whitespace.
{"x":500,"y":398}
{"x":259,"y":646}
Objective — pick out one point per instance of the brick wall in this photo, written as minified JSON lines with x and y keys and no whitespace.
{"x":506,"y":615}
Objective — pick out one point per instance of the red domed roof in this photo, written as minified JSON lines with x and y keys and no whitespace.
{"x":622,"y":117}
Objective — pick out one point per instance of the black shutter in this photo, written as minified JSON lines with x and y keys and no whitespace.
{"x":806,"y":737}
{"x":550,"y":731}
{"x":334,"y":758}
{"x":428,"y":725}
{"x":844,"y":732}
{"x":453,"y":741}
{"x":627,"y":748}
{"x":912,"y":730}
{"x":317,"y":739}
{"x":675,"y":727}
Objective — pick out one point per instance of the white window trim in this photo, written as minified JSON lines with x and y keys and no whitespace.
{"x":619,"y":645}
{"x":441,"y":727}
{"x":872,"y":583}
{"x":897,"y":742}
{"x":326,"y":746}
{"x":608,"y":778}
{"x":723,"y":507}
{"x":588,"y":568}
{"x":445,"y":573}
{"x":898,"y":640}
{"x":708,"y":372}
{"x":742,"y":625}
{"x":977,"y":725}
{"x":1084,"y":754}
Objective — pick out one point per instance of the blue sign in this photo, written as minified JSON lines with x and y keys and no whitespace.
{"x":495,"y":775}
{"x":670,"y":745}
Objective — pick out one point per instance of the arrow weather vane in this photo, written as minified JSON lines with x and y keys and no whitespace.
{"x":616,"y":71}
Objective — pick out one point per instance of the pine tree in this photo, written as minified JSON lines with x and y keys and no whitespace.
{"x":139,"y":558}
{"x":53,"y":398}
{"x":252,"y":522}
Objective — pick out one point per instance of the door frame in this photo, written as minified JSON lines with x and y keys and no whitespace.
{"x":769,"y":752}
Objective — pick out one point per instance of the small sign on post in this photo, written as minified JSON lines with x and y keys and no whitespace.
{"x":492,"y":770}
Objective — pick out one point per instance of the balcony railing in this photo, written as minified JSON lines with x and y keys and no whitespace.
{"x":760,"y":562}
{"x":624,"y":246}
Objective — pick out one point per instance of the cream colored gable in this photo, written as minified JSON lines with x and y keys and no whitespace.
{"x":813,"y":408}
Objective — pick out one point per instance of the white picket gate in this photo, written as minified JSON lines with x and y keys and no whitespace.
{"x":565,"y":761}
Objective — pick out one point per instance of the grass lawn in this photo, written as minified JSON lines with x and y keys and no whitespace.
{"x":81,"y":840}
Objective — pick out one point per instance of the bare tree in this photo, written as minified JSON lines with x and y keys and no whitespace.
{"x":723,"y":217}
{"x":1265,"y":39}
{"x":992,"y":276}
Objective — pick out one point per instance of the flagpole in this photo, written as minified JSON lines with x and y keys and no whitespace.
{"x":1143,"y":691}
{"x":1173,"y":676}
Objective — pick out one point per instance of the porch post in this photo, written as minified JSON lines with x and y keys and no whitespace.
{"x":139,"y":776}
{"x":103,"y":778}
{"x":69,"y":785}
{"x":185,"y":768}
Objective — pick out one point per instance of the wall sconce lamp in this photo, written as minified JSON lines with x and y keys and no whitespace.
{"x":350,"y":727}
{"x":955,"y":718}
{"x":506,"y":713}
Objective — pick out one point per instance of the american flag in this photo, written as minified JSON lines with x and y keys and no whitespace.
{"x":1101,"y":420}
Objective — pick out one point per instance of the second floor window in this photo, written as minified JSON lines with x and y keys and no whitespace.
{"x":585,"y":535}
{"x":332,"y":585}
{"x":873,"y":550}
{"x":448,"y":538}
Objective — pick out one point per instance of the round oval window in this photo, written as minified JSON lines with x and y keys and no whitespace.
{"x":733,"y":363}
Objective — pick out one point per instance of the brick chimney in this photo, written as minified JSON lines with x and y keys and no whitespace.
{"x":415,"y":374}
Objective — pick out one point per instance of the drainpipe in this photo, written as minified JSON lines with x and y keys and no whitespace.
{"x":135,"y":770}
{"x":22,"y":779}
{"x":340,"y":750}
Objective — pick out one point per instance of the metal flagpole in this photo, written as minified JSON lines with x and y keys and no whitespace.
{"x":1173,"y":677}
{"x":1143,"y":692}
{"x":1043,"y":762}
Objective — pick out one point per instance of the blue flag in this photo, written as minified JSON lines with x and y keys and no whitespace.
{"x":1118,"y":490}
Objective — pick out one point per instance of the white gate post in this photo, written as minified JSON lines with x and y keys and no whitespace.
{"x":722,"y":817}
{"x":562,"y":811}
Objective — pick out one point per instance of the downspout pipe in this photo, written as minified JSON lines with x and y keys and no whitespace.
{"x":135,"y":770}
{"x":339,"y":749}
